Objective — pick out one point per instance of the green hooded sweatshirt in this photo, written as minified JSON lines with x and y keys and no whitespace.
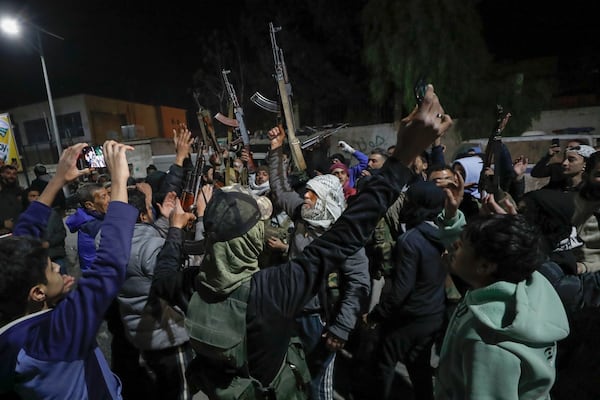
{"x":501,"y":343}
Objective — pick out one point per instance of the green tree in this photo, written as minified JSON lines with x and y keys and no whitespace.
{"x":442,"y":40}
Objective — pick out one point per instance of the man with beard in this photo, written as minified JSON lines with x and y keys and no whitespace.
{"x":259,"y":306}
{"x":325,"y":324}
{"x":10,"y":198}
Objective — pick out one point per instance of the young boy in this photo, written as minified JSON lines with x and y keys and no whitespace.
{"x":501,"y":340}
{"x":48,"y":336}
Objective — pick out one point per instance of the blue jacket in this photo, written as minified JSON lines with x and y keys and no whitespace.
{"x":87,"y":225}
{"x":53,"y":353}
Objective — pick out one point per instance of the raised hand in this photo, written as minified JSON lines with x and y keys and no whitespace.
{"x":66,"y":171}
{"x":276,"y":136}
{"x":346,"y":147}
{"x":179,"y":218}
{"x":490,"y":206}
{"x":116,"y":161}
{"x":421,"y":127}
{"x":168,"y":204}
{"x":520,"y":166}
{"x":455,"y":192}
{"x":183,"y":140}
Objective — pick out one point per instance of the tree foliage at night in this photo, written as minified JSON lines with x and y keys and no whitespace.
{"x":357,"y":62}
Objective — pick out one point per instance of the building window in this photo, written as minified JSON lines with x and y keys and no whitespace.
{"x":39,"y":130}
{"x":70,"y":125}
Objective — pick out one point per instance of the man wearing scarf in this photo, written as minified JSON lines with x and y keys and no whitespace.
{"x":323,"y":329}
{"x":275,"y":296}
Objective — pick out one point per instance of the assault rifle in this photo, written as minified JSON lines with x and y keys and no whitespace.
{"x":238,"y":122}
{"x":208,"y":132}
{"x":200,"y":118}
{"x":490,"y":180}
{"x":193,"y":180}
{"x":317,"y":138}
{"x":285,"y":93}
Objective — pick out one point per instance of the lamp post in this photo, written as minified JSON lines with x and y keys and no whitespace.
{"x":12,"y":27}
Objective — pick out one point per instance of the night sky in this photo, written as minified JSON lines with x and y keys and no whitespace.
{"x":147,"y":53}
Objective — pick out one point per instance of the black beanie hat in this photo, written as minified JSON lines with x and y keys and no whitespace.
{"x":229,"y":215}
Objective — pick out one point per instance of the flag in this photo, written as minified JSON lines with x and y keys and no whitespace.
{"x":8,"y":146}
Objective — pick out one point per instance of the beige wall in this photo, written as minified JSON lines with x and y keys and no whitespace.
{"x":108,"y":115}
{"x":170,"y":118}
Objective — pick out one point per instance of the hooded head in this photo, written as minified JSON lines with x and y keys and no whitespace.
{"x":470,"y":168}
{"x":424,"y":201}
{"x":234,"y":228}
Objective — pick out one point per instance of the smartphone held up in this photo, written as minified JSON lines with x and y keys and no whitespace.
{"x":93,"y":157}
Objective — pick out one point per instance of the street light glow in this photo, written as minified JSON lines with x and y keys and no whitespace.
{"x":10,"y":26}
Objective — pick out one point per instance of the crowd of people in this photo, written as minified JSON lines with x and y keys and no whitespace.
{"x":274,"y":287}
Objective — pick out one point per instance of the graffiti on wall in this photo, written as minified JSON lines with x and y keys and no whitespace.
{"x":367,"y":138}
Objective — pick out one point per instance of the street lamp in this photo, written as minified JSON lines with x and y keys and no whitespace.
{"x":12,"y":27}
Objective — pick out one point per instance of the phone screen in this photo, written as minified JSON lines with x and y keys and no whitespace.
{"x":93,"y":157}
{"x":555,"y":142}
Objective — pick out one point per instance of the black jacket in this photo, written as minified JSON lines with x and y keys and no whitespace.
{"x":418,"y":278}
{"x":279,"y":293}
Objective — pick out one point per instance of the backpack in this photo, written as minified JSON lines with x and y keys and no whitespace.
{"x":220,"y":369}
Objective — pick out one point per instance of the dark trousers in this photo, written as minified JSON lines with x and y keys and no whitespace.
{"x":168,"y":367}
{"x":125,"y":360}
{"x":410,"y":343}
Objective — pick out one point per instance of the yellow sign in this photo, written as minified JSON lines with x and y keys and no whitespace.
{"x":9,"y":154}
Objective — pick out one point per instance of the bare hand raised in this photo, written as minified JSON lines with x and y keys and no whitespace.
{"x":276,"y":136}
{"x":421,"y":127}
{"x":179,"y":218}
{"x":116,"y":161}
{"x":183,"y":140}
{"x":66,"y":171}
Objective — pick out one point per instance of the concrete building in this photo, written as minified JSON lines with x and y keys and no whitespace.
{"x":91,"y":119}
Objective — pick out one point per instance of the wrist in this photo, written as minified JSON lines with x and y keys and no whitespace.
{"x":275,"y":145}
{"x":179,"y":159}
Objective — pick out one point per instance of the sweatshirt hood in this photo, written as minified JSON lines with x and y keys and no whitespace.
{"x":529,"y":311}
{"x":472,"y":166}
{"x":431,"y":232}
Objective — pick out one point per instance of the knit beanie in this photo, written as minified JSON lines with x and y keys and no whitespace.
{"x":342,"y":166}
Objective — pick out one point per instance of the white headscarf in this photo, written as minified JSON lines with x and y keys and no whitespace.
{"x":330,"y":201}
